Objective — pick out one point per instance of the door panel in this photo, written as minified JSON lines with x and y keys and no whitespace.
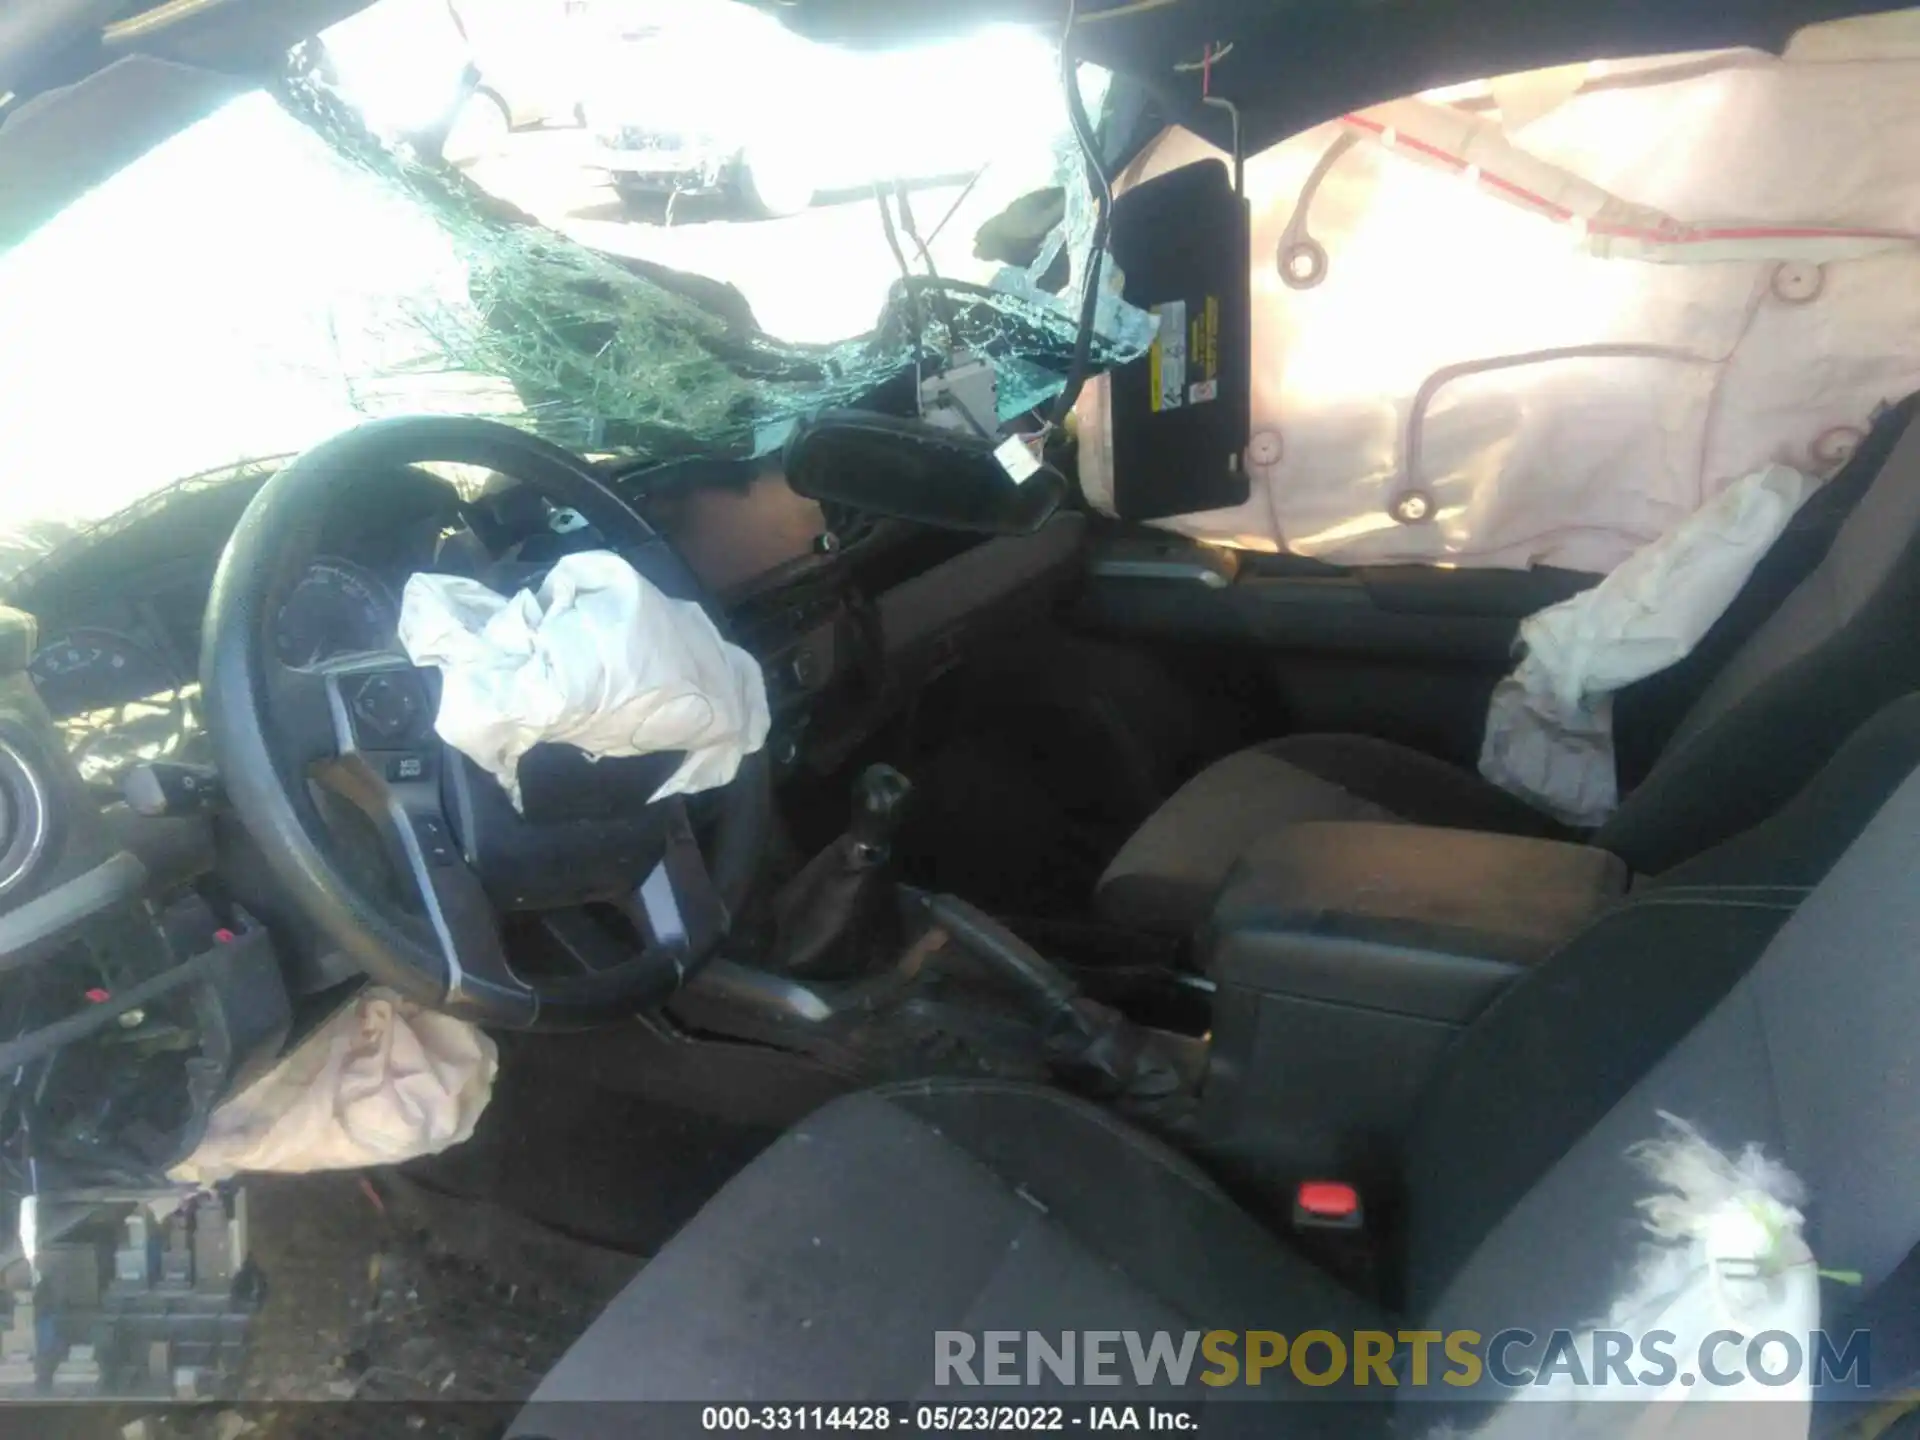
{"x":1409,"y":653}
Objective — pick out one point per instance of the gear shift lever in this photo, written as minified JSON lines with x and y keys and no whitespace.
{"x":880,"y":798}
{"x":826,"y":902}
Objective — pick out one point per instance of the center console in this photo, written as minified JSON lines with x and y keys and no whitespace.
{"x":1347,"y":957}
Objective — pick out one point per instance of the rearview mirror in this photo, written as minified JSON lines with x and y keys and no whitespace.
{"x":911,"y":470}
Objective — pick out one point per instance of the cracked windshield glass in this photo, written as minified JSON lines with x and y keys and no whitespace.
{"x":655,"y":229}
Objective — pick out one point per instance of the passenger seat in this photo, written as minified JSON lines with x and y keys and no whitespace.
{"x":824,"y":1270}
{"x":1842,"y":643}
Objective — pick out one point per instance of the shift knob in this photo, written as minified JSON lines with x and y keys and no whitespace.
{"x":829,"y":913}
{"x":880,"y":799}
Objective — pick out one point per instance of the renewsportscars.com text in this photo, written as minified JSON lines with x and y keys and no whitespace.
{"x":1411,"y":1359}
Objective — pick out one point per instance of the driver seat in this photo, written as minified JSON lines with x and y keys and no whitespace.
{"x":1774,"y":690}
{"x":822,"y":1272}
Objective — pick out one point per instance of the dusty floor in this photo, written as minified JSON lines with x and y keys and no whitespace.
{"x":403,"y":1306}
{"x":394,"y":1311}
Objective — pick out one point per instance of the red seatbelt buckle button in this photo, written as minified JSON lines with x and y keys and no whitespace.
{"x":1327,"y":1205}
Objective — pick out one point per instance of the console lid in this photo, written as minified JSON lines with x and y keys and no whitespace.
{"x":1407,"y":919}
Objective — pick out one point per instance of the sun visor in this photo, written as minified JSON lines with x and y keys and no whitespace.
{"x":1180,"y":412}
{"x":65,"y":142}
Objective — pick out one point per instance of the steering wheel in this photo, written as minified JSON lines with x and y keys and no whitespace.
{"x":360,"y":727}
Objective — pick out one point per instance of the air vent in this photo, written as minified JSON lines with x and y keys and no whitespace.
{"x":23,"y":818}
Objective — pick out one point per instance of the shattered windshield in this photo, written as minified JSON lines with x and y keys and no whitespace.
{"x":361,"y":240}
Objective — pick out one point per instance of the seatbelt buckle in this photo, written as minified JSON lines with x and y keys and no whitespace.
{"x":1329,"y":1225}
{"x":1327,"y":1205}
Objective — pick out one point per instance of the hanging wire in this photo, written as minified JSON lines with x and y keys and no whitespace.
{"x":958,"y":201}
{"x":941,"y":301}
{"x":1103,"y":214}
{"x":908,"y":278}
{"x":1210,"y":57}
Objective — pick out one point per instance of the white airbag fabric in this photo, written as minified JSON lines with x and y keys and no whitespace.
{"x":1549,"y":732}
{"x":1566,"y":323}
{"x":381,"y":1082}
{"x":598,"y":658}
{"x":1725,"y":1269}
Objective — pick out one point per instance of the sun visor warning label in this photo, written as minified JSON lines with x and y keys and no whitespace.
{"x":1185,"y":359}
{"x":1167,"y":360}
{"x":1203,"y":353}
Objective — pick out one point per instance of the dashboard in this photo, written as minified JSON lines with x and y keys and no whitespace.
{"x":121,"y":612}
{"x":847,"y":616}
{"x":120,"y":682}
{"x":338,"y":607}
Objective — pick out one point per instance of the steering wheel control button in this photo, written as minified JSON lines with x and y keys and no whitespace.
{"x":385,"y":707}
{"x":435,"y":843}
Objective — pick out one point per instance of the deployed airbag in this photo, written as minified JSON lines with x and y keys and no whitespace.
{"x":383,"y":1081}
{"x":1540,"y":320}
{"x":597,"y":658}
{"x":1549,"y":736}
{"x":1725,"y":1266}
